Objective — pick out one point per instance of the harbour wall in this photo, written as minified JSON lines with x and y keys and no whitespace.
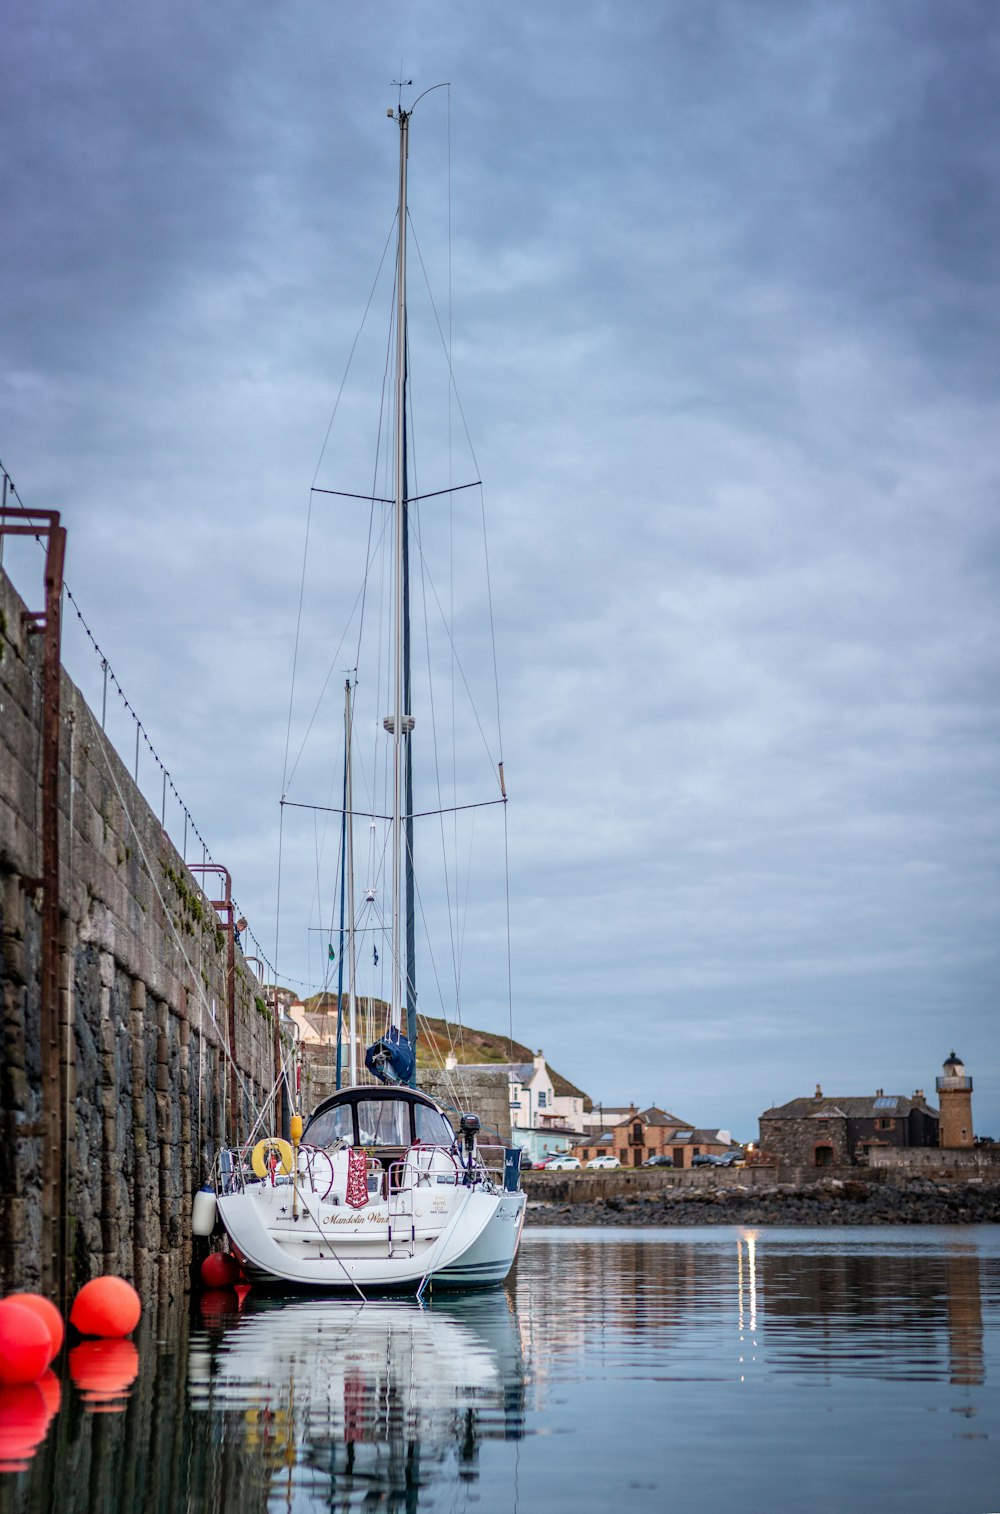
{"x":110,"y":1122}
{"x":761,"y":1195}
{"x":936,"y":1161}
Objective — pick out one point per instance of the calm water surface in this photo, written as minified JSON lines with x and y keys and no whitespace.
{"x":674,"y":1370}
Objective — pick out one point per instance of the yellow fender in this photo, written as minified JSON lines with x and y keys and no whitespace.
{"x":262,"y":1151}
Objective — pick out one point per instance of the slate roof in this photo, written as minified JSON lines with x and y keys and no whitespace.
{"x":585,"y":1141}
{"x":655,"y":1116}
{"x":865,"y":1107}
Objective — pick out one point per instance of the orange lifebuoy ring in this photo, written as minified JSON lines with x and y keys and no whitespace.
{"x":260,"y":1157}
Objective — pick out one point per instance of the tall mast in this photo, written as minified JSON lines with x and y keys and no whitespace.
{"x":343,"y":890}
{"x":352,"y":1019}
{"x":400,"y":608}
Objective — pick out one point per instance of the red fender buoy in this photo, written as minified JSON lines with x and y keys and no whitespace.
{"x":47,"y":1313}
{"x":106,"y":1306}
{"x":220,"y":1270}
{"x":25,"y":1344}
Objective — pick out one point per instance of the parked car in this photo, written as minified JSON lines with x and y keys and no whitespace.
{"x":563,"y":1164}
{"x":658,"y":1161}
{"x":604,"y":1160}
{"x":706,"y":1159}
{"x":730,"y":1159}
{"x":526,"y":1162}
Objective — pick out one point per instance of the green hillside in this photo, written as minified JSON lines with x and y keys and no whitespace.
{"x":436,"y":1038}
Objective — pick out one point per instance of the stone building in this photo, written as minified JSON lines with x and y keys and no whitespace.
{"x":841,"y":1131}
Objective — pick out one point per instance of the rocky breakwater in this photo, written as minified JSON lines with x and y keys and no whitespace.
{"x":831,"y":1201}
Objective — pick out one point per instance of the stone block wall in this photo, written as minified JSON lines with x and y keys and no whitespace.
{"x":484,"y":1093}
{"x":143,"y":973}
{"x":935,"y":1161}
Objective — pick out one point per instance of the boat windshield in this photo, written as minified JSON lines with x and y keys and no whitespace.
{"x":380,"y":1122}
{"x":431,"y":1127}
{"x":383,"y":1122}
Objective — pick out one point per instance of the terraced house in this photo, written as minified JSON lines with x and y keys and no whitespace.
{"x":653,"y":1132}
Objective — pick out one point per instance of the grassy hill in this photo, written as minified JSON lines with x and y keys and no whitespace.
{"x":437,"y":1038}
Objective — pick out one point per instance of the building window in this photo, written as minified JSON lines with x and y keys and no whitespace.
{"x":637,"y":1133}
{"x":541,"y":1098}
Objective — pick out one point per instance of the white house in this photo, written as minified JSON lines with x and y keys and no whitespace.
{"x":544,"y":1121}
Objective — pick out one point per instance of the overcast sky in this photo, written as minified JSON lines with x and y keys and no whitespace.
{"x":723,"y":305}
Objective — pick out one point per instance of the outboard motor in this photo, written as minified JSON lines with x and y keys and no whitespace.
{"x":469,"y":1125}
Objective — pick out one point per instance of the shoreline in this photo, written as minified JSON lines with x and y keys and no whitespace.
{"x":835,"y":1202}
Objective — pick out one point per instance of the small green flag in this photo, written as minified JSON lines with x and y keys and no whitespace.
{"x":330,"y":952}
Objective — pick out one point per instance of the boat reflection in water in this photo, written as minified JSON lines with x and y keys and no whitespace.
{"x":382,"y":1398}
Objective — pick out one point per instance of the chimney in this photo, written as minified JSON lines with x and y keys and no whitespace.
{"x":879,"y":1093}
{"x":819,"y":1092}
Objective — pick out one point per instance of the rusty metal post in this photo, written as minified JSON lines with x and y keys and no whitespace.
{"x":52,"y":1092}
{"x":48,"y":622}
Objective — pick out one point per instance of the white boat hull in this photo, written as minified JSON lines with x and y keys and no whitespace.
{"x":453,"y":1237}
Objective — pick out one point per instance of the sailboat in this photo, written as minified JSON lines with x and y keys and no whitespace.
{"x":376,"y":1190}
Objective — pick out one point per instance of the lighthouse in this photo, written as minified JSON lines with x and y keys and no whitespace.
{"x":955,"y":1097}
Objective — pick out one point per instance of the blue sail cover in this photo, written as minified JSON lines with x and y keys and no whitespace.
{"x":391,"y":1058}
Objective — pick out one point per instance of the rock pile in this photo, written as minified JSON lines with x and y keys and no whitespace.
{"x":919,"y":1201}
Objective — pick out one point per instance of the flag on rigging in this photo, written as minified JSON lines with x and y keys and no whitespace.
{"x":375,"y":950}
{"x":330,"y":952}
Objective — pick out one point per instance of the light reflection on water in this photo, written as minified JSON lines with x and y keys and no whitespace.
{"x":673,"y":1369}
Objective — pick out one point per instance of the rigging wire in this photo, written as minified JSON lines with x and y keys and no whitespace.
{"x":305,"y":550}
{"x":319,"y":464}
